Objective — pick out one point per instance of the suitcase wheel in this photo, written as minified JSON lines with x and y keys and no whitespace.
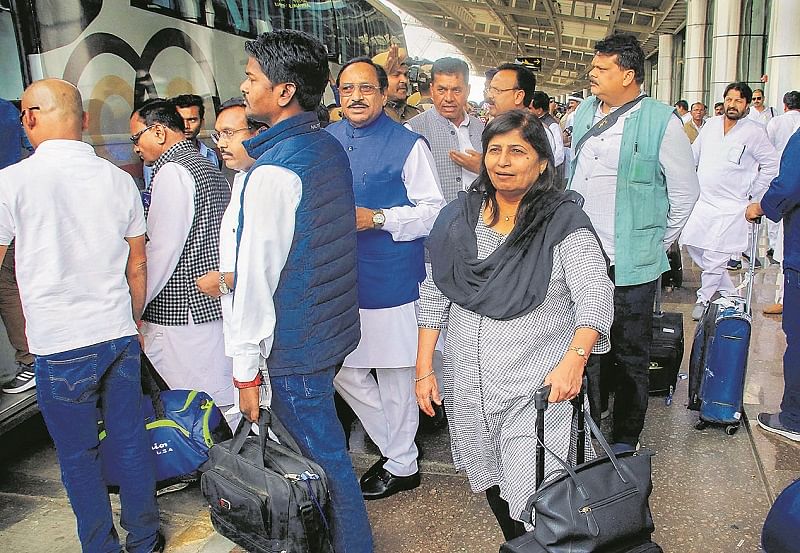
{"x":700,"y":424}
{"x":731,"y":429}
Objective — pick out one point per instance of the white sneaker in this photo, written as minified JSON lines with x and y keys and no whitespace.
{"x":699,"y":309}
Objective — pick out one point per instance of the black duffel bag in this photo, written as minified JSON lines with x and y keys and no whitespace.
{"x":598,"y":506}
{"x":266,"y":496}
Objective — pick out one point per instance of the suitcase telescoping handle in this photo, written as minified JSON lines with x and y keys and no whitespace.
{"x":751,"y":267}
{"x":540,"y":400}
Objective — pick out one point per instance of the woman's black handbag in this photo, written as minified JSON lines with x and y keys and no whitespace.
{"x":266,"y":496}
{"x":599,"y":506}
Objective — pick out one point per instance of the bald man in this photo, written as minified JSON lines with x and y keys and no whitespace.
{"x":80,"y":255}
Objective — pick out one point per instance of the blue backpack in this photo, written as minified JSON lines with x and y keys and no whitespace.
{"x":182,"y":425}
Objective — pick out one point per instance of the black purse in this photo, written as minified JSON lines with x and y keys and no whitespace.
{"x":597,"y":506}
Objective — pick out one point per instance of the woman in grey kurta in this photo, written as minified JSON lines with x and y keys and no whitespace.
{"x":520,"y":281}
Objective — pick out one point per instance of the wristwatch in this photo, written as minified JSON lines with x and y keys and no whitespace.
{"x":580,"y":351}
{"x":378,"y":218}
{"x":223,"y":286}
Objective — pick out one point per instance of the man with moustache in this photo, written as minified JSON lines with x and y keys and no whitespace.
{"x":295,"y":317}
{"x":394,"y":63}
{"x":692,"y":127}
{"x":760,"y":112}
{"x":182,"y":328}
{"x":397,"y":200}
{"x":735,"y":163}
{"x":630,"y":165}
{"x":192,"y":110}
{"x":454,"y":136}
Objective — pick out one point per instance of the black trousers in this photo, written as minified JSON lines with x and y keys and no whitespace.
{"x":511,"y":528}
{"x":624,"y":370}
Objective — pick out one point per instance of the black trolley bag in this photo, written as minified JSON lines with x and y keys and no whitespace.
{"x":266,"y":496}
{"x":600,"y":506}
{"x":666,"y":350}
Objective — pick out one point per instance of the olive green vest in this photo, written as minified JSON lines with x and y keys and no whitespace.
{"x":641,"y":203}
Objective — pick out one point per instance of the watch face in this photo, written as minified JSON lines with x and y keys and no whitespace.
{"x":378,"y":218}
{"x":580,"y":351}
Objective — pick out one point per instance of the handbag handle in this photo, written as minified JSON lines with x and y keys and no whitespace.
{"x":541,"y":401}
{"x":266,"y":422}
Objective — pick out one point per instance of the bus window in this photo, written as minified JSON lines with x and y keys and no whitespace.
{"x":62,"y":22}
{"x":11,"y":85}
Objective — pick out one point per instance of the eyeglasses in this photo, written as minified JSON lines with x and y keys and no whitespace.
{"x":135,"y":137}
{"x":757,"y":98}
{"x":227,"y":134}
{"x":494,"y":91}
{"x":22,"y":113}
{"x":366,"y":89}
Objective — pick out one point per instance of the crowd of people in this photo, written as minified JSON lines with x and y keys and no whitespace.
{"x":405,"y":258}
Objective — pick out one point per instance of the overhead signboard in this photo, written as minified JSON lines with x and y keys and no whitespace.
{"x":534,"y":63}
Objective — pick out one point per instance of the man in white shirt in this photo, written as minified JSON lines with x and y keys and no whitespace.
{"x":779,"y":130}
{"x":295,"y":310}
{"x":81,"y":265}
{"x":682,"y":107}
{"x":692,"y":127}
{"x":735,"y":162}
{"x":637,"y":161}
{"x":397,"y":200}
{"x":759,"y":112}
{"x":539,"y":106}
{"x":182,"y":328}
{"x":453,"y":135}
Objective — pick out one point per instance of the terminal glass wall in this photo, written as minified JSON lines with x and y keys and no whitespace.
{"x":753,"y":46}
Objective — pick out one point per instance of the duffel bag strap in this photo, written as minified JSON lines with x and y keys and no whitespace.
{"x":150,"y":386}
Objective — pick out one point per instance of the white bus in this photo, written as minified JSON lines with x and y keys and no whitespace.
{"x":122,"y":52}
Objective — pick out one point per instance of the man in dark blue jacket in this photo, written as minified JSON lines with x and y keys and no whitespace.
{"x":782,"y":201}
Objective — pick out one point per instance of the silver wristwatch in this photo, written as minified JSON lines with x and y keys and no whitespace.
{"x":223,"y":286}
{"x":378,"y":218}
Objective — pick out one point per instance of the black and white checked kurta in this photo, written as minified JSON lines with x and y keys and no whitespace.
{"x":492,"y":368}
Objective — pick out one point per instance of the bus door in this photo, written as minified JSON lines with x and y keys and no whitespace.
{"x":12,"y":69}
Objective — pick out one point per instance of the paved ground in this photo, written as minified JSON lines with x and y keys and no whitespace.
{"x":711,"y":491}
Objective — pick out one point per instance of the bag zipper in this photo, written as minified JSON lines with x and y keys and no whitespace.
{"x":587,"y":510}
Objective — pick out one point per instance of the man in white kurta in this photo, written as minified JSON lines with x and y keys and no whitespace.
{"x":735,"y":162}
{"x":386,"y":405}
{"x":759,"y":111}
{"x":182,"y":330}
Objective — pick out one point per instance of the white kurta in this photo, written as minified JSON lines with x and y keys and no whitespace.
{"x":732,"y":168}
{"x":192,"y":356}
{"x":227,"y":250}
{"x":389,"y":336}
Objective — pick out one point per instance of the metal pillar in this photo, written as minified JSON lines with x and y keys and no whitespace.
{"x":783,"y":51}
{"x":664,"y":88}
{"x":725,"y":46}
{"x":696,"y":57}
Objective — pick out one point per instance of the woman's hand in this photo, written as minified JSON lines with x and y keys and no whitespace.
{"x":566,"y":378}
{"x":427,"y":389}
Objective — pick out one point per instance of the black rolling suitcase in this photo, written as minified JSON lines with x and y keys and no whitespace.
{"x":666,"y":351}
{"x":527,"y":543}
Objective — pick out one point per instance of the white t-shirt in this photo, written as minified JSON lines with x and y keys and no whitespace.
{"x":70,"y":212}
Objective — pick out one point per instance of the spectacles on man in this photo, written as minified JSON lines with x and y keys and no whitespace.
{"x":757,"y":98}
{"x":227,"y":134}
{"x":22,"y":113}
{"x":494,"y":91}
{"x":135,"y":137}
{"x":366,"y":89}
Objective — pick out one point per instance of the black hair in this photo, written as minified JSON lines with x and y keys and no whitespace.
{"x":541,"y":100}
{"x":158,"y":110}
{"x":701,"y":103}
{"x":526,"y":80}
{"x":719,"y":104}
{"x":238,"y":102}
{"x":792,"y":99}
{"x":323,"y":115}
{"x":490,"y":73}
{"x":383,"y":79}
{"x":190,"y":101}
{"x":743,"y":88}
{"x":761,"y":90}
{"x":450,"y":66}
{"x":534,"y":134}
{"x":682,"y":104}
{"x":288,"y":56}
{"x":628,"y":51}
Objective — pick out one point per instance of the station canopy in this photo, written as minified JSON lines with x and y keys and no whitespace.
{"x":560,"y":32}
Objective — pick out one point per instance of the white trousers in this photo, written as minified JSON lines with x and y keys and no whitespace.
{"x":388,"y":411}
{"x":715,"y":276}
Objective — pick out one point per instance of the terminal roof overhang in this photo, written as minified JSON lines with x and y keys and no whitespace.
{"x":562,"y":32}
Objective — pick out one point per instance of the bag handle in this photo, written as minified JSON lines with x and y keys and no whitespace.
{"x":541,"y":398}
{"x":266,"y":422}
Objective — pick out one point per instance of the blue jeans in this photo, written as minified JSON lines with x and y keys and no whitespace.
{"x":69,"y":386}
{"x":790,"y":406}
{"x":304,"y":404}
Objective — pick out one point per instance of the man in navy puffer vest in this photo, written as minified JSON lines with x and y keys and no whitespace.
{"x":295,"y":305}
{"x":397,"y":200}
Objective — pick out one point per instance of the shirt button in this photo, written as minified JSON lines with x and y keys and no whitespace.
{"x":349,"y":148}
{"x":452,"y":131}
{"x":595,"y":157}
{"x":458,"y":179}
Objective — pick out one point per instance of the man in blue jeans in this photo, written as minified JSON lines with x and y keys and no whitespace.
{"x":80,"y":254}
{"x":295,"y":305}
{"x":782,"y":201}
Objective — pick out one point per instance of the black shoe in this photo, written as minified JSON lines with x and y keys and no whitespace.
{"x":161,"y":542}
{"x":384,"y":484}
{"x":374,"y":469}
